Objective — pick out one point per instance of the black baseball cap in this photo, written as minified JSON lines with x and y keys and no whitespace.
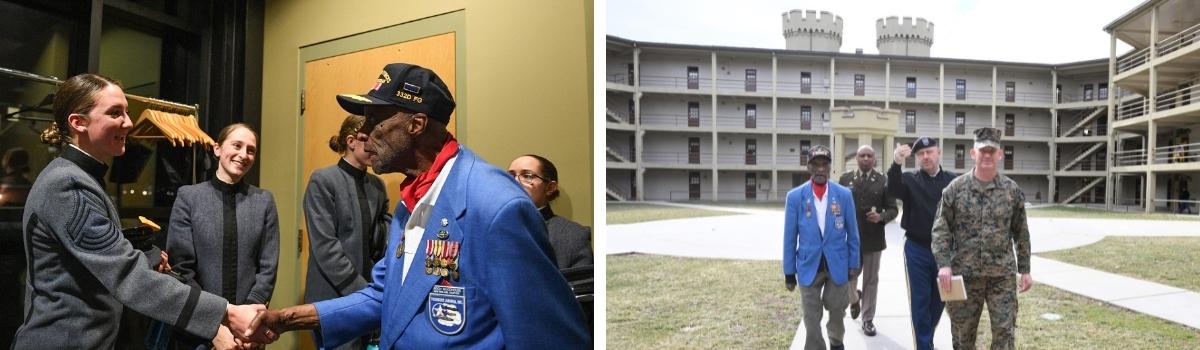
{"x":924,"y":142}
{"x":411,"y":87}
{"x":819,"y":151}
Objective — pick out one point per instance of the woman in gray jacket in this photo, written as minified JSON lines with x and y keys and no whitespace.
{"x":346,"y":209}
{"x":82,"y":272}
{"x":224,"y":233}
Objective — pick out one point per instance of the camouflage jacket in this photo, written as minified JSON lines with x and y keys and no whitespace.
{"x":977,"y":225}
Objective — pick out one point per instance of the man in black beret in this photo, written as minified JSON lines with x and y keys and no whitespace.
{"x":920,"y":190}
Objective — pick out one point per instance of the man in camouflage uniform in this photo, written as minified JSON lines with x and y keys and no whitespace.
{"x":980,"y":218}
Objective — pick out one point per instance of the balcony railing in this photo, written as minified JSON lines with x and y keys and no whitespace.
{"x":681,"y":158}
{"x":677,"y":120}
{"x":921,"y":128}
{"x":1087,"y":164}
{"x":619,"y":78}
{"x":742,"y":159}
{"x":1179,"y":97}
{"x":972,"y":95}
{"x":794,"y":125}
{"x":1129,"y":157}
{"x":673,"y":82}
{"x":795,"y":87}
{"x":849,"y":90}
{"x":1189,"y":153}
{"x":899,"y":93}
{"x":1132,"y":109}
{"x":741,"y":85}
{"x":1072,"y":98}
{"x":1133,"y":59}
{"x":1179,"y":40}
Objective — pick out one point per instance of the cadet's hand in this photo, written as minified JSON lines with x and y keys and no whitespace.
{"x":224,"y":339}
{"x":268,"y":325}
{"x":944,"y":278}
{"x":790,"y":282}
{"x":874,"y":217}
{"x":239,"y":317}
{"x":1026,"y":282}
{"x":902,"y":153}
{"x":163,"y":266}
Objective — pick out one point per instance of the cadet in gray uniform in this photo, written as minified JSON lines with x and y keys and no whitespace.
{"x":346,"y":209}
{"x":571,"y":241}
{"x":224,"y":234}
{"x":979,"y":220}
{"x":82,"y":272}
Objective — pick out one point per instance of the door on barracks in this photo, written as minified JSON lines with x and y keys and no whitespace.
{"x":355,"y":73}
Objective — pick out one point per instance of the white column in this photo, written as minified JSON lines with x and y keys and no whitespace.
{"x":1110,"y":193}
{"x":715,"y":156}
{"x":887,"y":83}
{"x":993,"y":96}
{"x":639,"y":169}
{"x":774,"y":132}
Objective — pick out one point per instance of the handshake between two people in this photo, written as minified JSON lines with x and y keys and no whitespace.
{"x":253,"y":326}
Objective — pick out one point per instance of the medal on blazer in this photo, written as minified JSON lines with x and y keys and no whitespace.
{"x":838,"y":221}
{"x":808,"y":209}
{"x":429,"y":257}
{"x":447,"y":309}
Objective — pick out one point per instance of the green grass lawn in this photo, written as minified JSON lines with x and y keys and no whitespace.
{"x":1092,"y":213}
{"x":659,"y":302}
{"x":628,"y":213}
{"x":1173,"y":261}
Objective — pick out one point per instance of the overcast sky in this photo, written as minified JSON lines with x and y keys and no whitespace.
{"x":1038,"y":31}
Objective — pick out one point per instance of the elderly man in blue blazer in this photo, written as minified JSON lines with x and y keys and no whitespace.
{"x":468,"y":263}
{"x":821,"y":249}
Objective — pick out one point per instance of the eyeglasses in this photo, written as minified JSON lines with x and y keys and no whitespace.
{"x":527,"y":177}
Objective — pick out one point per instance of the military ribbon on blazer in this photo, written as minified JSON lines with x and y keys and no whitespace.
{"x":429,"y":257}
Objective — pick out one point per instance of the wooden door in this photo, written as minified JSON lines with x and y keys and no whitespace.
{"x":356,"y":72}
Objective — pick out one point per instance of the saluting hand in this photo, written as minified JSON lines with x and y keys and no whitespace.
{"x":902,"y":152}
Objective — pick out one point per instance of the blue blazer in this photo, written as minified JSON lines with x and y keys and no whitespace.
{"x":512,"y":295}
{"x":802,"y":242}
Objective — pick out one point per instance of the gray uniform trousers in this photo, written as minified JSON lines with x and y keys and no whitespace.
{"x":823,"y":295}
{"x":870,"y":285}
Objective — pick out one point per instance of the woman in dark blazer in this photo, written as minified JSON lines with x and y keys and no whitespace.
{"x":82,"y":272}
{"x":571,"y":241}
{"x":224,"y":233}
{"x":346,"y":209}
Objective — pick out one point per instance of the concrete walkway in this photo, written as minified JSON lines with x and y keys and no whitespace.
{"x":756,"y":234}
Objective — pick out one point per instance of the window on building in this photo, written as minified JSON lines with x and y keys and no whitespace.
{"x":860,"y":85}
{"x":693,"y":185}
{"x":960,"y":89}
{"x":1010,"y":124}
{"x":797,"y":179}
{"x":805,"y":118}
{"x":1087,"y":92}
{"x":632,"y":112}
{"x":1102,"y":91}
{"x":693,"y":77}
{"x":805,"y":145}
{"x":1010,"y":91}
{"x":1058,"y":93}
{"x":910,"y":87}
{"x":960,"y":123}
{"x":910,"y":121}
{"x":751,"y":116}
{"x":751,"y":185}
{"x":693,"y":150}
{"x":1008,"y":158}
{"x":693,"y":114}
{"x":910,"y":162}
{"x":751,"y":80}
{"x":805,"y":82}
{"x":751,"y":151}
{"x":960,"y":156}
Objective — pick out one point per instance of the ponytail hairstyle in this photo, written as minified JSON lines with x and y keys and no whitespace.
{"x":350,"y":126}
{"x":549,"y":171}
{"x":77,"y":95}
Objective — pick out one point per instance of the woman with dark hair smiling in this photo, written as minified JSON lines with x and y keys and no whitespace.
{"x":82,"y":272}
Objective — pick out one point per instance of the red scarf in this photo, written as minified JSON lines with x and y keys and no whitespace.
{"x":414,"y":187}
{"x":819,"y":190}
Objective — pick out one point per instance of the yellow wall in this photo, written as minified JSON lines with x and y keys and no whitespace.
{"x":527,"y":72}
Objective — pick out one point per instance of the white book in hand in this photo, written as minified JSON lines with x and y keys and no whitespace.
{"x":957,"y":292}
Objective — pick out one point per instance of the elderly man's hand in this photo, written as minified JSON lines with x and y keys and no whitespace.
{"x":789,"y":281}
